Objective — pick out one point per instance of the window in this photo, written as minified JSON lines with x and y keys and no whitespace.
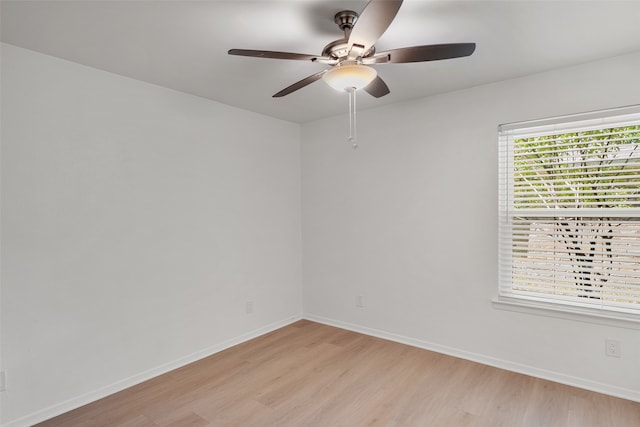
{"x":569,"y":203}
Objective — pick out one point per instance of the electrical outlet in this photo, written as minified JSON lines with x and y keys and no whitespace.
{"x":249,"y":307}
{"x":612,"y":348}
{"x":3,"y":381}
{"x":360,"y":301}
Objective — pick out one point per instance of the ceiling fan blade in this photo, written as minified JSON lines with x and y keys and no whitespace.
{"x":432,"y":52}
{"x":299,"y":85}
{"x":373,"y":22}
{"x":377,"y":88}
{"x":272,"y":54}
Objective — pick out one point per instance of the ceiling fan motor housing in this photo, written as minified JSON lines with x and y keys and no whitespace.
{"x":339,"y":49}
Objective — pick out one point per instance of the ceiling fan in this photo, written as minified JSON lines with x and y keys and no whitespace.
{"x":350,"y":57}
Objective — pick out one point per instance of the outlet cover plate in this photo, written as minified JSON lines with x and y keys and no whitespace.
{"x":612,"y":348}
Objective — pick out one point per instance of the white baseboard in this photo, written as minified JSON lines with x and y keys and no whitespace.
{"x":76,"y":402}
{"x":598,"y":387}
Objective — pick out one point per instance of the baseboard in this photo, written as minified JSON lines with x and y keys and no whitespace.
{"x":92,"y":396}
{"x":532,"y":371}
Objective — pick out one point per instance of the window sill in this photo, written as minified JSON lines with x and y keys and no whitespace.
{"x":578,"y":314}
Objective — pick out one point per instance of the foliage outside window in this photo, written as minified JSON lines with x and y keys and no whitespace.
{"x":570,"y":211}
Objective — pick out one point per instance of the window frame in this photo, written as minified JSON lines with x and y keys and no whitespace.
{"x":547,"y":305}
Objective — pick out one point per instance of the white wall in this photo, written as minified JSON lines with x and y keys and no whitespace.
{"x":136,"y":223}
{"x":409,"y":221}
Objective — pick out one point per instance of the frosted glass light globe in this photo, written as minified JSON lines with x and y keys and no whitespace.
{"x":345,"y":77}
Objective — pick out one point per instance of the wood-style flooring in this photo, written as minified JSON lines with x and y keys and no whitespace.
{"x":308,"y":374}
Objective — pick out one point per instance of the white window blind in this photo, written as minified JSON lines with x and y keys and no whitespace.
{"x":569,"y":202}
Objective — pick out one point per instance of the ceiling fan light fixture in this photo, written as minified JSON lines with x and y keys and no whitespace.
{"x":347,"y":76}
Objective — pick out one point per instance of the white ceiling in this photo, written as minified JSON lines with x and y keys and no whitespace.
{"x":183,"y":44}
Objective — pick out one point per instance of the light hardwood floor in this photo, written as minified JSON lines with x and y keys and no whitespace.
{"x":308,"y":374}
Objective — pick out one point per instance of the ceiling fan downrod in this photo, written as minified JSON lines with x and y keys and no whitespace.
{"x":346,"y":19}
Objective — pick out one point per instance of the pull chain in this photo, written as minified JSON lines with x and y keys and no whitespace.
{"x":352,"y":117}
